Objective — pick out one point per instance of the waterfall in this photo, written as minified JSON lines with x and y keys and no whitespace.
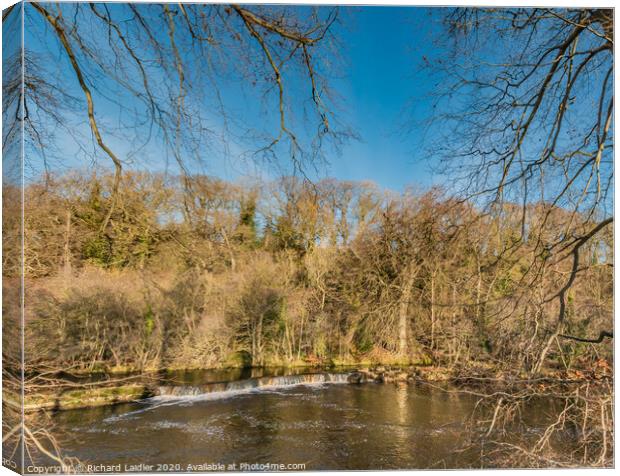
{"x":222,"y":389}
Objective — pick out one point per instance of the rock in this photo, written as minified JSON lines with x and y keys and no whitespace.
{"x":355,"y":377}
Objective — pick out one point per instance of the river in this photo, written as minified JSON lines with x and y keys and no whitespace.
{"x":320,"y":422}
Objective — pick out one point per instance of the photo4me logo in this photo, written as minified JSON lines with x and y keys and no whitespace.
{"x":271,"y":467}
{"x":246,"y":467}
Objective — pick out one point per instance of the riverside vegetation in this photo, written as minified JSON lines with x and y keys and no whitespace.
{"x":294,"y":273}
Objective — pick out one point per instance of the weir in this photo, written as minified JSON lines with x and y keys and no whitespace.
{"x":247,"y":385}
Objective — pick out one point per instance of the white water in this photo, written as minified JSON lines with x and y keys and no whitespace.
{"x":228,"y":389}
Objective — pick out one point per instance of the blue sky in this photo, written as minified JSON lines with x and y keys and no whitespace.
{"x":376,"y":70}
{"x":384,"y":87}
{"x":378,"y":82}
{"x":383,"y":93}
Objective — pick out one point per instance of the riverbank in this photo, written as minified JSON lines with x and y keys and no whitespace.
{"x":78,"y":398}
{"x":76,"y":395}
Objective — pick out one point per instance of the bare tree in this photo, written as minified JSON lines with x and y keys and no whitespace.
{"x":162,"y":69}
{"x":526,"y":118}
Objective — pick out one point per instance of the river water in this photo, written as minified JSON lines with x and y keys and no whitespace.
{"x":321,"y":422}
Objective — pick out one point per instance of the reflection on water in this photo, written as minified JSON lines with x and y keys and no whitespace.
{"x":324,"y":426}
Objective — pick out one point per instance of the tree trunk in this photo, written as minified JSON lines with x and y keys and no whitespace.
{"x":403,"y":314}
{"x":433,"y":310}
{"x":67,"y":247}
